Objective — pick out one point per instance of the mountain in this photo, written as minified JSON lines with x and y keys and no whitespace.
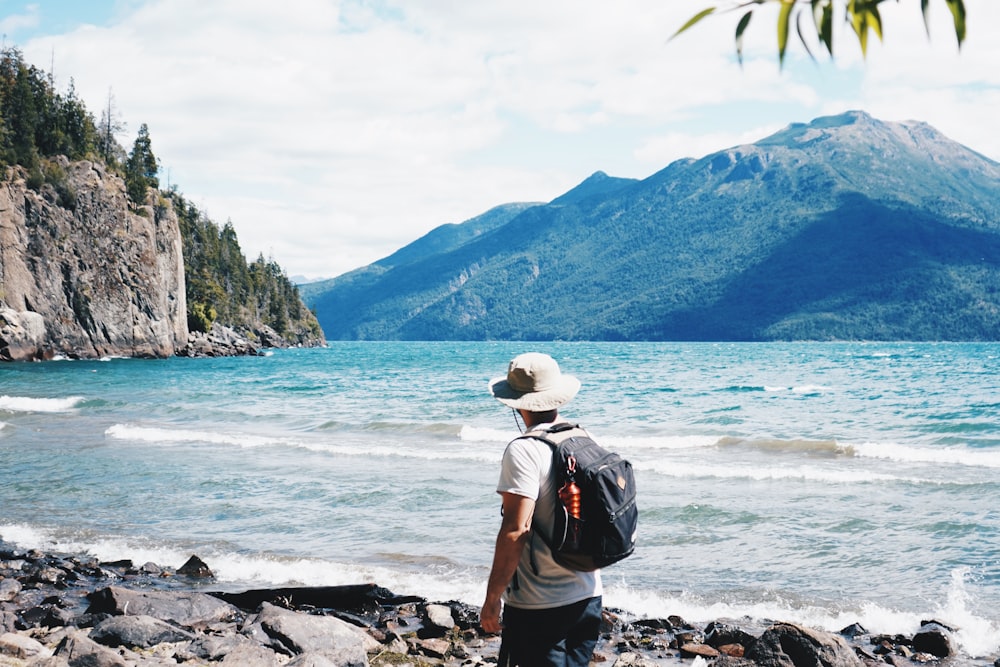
{"x":843,"y":228}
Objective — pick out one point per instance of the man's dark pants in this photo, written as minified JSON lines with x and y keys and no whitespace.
{"x":560,"y":637}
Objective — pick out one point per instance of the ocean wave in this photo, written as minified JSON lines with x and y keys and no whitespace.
{"x":958,"y":455}
{"x":795,"y":445}
{"x":179,"y":436}
{"x":168,"y":437}
{"x":28,"y":404}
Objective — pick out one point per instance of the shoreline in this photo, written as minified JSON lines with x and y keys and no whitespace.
{"x":57,"y":606}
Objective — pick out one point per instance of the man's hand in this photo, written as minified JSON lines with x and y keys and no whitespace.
{"x":489,"y":617}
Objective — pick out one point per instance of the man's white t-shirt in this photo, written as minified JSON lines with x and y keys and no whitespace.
{"x":540,"y":582}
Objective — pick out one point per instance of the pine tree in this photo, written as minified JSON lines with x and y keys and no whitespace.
{"x":141,"y":168}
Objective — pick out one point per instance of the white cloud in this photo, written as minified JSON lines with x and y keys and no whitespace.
{"x":333,"y":132}
{"x":15,"y":23}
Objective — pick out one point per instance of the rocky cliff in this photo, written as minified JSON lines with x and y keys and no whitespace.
{"x":91,"y":278}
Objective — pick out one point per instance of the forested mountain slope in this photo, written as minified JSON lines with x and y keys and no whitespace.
{"x":844,"y":228}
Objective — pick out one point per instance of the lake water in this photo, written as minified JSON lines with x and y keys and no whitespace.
{"x":821,"y":483}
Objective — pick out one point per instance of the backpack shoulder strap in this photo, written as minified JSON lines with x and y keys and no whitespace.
{"x":555,"y":434}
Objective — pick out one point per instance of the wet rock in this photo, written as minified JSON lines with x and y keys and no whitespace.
{"x":195,"y":567}
{"x":787,"y":644}
{"x":933,"y":638}
{"x":719,"y":634}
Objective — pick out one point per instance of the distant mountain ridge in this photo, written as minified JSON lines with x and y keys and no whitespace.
{"x":844,"y":228}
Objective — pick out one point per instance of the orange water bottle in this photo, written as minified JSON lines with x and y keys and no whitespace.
{"x":569,"y":494}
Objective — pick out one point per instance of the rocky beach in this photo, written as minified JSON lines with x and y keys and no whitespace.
{"x":62,"y":610}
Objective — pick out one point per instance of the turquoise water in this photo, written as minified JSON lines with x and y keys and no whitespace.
{"x":820,"y":483}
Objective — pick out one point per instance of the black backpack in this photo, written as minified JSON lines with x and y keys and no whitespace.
{"x":604,"y":528}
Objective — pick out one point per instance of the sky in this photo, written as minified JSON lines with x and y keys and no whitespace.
{"x":330,"y":133}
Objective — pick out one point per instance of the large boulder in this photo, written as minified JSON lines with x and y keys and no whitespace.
{"x":296,"y":633}
{"x":790,"y":645}
{"x":137,"y":632}
{"x":185,"y":608}
{"x":22,"y":336}
{"x":80,"y":650}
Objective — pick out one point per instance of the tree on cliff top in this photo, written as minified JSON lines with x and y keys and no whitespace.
{"x":141,"y":168}
{"x":37,"y":122}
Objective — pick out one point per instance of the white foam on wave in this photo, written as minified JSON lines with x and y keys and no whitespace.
{"x":979,"y":637}
{"x":260,"y":570}
{"x":180,"y":436}
{"x":976,"y":636}
{"x":625,"y":443}
{"x":798,"y":389}
{"x":28,"y":404}
{"x":168,"y":437}
{"x":803,"y":473}
{"x":957,"y":455}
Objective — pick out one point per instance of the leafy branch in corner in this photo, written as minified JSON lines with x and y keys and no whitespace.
{"x":863,"y":16}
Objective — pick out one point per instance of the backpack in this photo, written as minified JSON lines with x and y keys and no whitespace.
{"x":595,"y":524}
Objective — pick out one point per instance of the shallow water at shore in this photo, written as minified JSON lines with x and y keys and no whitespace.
{"x":819,"y":483}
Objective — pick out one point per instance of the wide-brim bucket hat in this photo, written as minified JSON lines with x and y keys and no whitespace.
{"x":534,"y":383}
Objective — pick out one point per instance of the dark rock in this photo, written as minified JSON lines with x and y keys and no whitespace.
{"x":654,"y":623}
{"x":195,"y":567}
{"x":362,"y":599}
{"x":718,"y":634}
{"x":8,"y":621}
{"x":137,"y":631}
{"x":853,"y":630}
{"x":933,"y":638}
{"x":185,"y":608}
{"x":788,"y":645}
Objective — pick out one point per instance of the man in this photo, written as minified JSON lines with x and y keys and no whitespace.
{"x":551,"y":614}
